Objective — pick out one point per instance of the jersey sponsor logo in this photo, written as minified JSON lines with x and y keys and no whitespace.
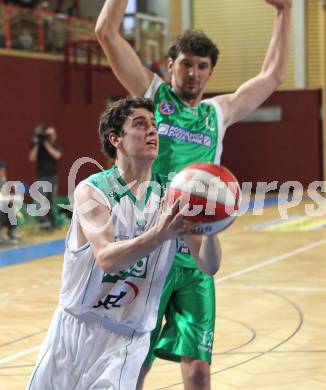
{"x":121,"y":237}
{"x":184,"y":135}
{"x":209,"y":123}
{"x":138,"y":270}
{"x":111,"y":300}
{"x":182,"y":247}
{"x":141,"y":227}
{"x":167,"y":107}
{"x":126,"y":294}
{"x":163,"y":129}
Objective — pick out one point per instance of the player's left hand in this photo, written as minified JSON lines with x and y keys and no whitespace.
{"x":280,"y":4}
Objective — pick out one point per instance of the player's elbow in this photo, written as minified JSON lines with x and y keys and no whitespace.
{"x":275,"y":78}
{"x":105,"y":262}
{"x":105,"y":265}
{"x":211,"y":267}
{"x":105,"y":34}
{"x":109,"y":263}
{"x":279,"y":78}
{"x":100,"y":33}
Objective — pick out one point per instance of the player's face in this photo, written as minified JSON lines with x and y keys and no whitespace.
{"x":189,"y":74}
{"x":140,"y":138}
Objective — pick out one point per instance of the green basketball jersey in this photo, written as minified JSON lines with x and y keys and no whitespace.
{"x":187,"y":135}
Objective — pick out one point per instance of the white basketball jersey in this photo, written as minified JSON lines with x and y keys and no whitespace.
{"x":131,"y":297}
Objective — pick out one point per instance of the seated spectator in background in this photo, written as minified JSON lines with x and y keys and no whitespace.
{"x":67,"y":7}
{"x":7,"y":207}
{"x":22,"y":3}
{"x":46,"y":153}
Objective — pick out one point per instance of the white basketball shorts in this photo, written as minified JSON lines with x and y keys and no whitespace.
{"x":84,"y":355}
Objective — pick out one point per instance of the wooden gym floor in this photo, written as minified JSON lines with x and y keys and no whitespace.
{"x":271,"y":309}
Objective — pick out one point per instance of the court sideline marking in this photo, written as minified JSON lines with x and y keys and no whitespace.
{"x":270,"y":261}
{"x":17,"y":355}
{"x":277,"y":288}
{"x":234,"y":275}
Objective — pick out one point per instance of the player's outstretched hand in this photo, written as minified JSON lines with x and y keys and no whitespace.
{"x":171,"y":223}
{"x":280,"y":4}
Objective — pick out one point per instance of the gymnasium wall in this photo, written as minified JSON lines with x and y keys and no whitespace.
{"x":32,"y":92}
{"x":315,"y":43}
{"x":241,"y":30}
{"x":286,"y":150}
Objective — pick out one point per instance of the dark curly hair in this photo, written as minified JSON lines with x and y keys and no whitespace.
{"x":113,"y":119}
{"x":194,"y":42}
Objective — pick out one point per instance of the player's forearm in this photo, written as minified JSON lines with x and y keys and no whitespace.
{"x":120,"y":55}
{"x":110,"y":18}
{"x":209,"y":256}
{"x":277,"y":56}
{"x":206,"y":251}
{"x":121,"y":255}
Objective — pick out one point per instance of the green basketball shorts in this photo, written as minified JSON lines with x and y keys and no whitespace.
{"x":188,"y":304}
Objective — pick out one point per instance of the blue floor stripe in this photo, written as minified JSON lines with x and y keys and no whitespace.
{"x":31,"y":252}
{"x":258,"y":203}
{"x":265,"y":202}
{"x":50,"y":248}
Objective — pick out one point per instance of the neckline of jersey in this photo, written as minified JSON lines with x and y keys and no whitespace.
{"x":196,"y":107}
{"x":140,"y":203}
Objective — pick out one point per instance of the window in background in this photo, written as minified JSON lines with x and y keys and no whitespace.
{"x":129,"y":21}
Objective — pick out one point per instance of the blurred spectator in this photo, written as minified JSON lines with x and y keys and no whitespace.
{"x":7,"y":199}
{"x":46,"y":153}
{"x":22,"y":3}
{"x":26,"y":40}
{"x":68,"y":7}
{"x":46,"y":5}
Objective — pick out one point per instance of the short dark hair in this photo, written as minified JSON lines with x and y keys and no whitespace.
{"x":2,"y":164}
{"x":113,"y":119}
{"x":194,"y":42}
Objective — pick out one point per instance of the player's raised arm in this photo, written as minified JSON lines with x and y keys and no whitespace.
{"x":122,"y":58}
{"x":255,"y":91}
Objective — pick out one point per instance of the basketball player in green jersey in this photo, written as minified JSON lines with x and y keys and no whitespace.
{"x":191,"y":130}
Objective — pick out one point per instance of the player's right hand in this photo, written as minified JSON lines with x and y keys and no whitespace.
{"x":171,"y":223}
{"x":280,"y":4}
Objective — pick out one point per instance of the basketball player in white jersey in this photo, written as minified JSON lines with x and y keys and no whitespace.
{"x":191,"y":130}
{"x":119,"y":250}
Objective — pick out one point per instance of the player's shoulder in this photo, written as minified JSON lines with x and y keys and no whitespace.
{"x":99,"y":178}
{"x":211,"y":102}
{"x":103,"y":182}
{"x":157,"y":84}
{"x":214,"y":105}
{"x":100,"y":188}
